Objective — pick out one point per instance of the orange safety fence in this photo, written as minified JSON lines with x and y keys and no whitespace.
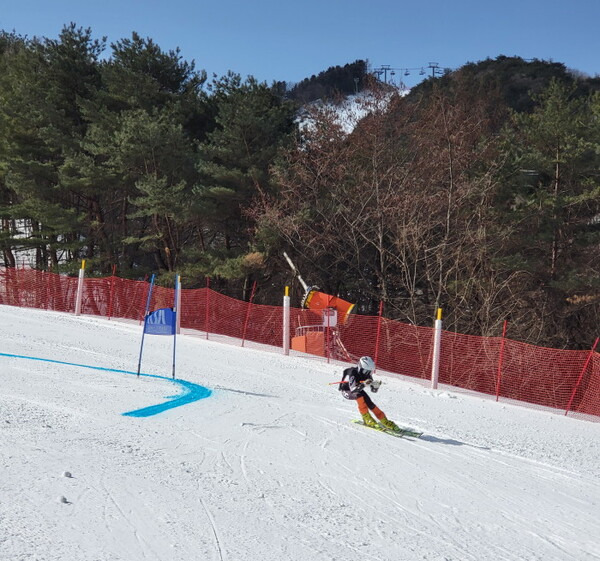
{"x":541,"y":377}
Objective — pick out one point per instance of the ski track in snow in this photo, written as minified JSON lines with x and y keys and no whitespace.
{"x":270,"y":467}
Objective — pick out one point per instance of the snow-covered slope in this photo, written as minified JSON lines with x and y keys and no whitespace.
{"x":349,"y":111}
{"x":269,"y":466}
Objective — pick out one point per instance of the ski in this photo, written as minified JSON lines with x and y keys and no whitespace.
{"x":397,"y":433}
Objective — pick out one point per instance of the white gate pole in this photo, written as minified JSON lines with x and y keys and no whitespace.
{"x":79,"y":296}
{"x":437,"y":344}
{"x":286,"y":321}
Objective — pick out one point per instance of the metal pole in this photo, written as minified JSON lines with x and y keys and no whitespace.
{"x":326,"y":335}
{"x":248,"y":313}
{"x":589,"y":358}
{"x":112,"y":292}
{"x":499,"y":377}
{"x":286,"y":321}
{"x":178,"y":303}
{"x":437,"y":343}
{"x":176,"y":310}
{"x":378,"y":332}
{"x":295,"y":271}
{"x":206,"y":306}
{"x":79,"y":296}
{"x":144,"y":330}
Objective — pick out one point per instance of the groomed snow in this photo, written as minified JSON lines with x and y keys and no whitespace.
{"x":269,"y":467}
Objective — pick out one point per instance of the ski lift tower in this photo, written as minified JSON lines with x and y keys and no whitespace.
{"x":322,"y":338}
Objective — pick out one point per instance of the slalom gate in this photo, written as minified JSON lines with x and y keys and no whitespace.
{"x":563,"y":380}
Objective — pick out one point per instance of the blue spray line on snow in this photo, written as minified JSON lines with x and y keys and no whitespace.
{"x":193,"y":392}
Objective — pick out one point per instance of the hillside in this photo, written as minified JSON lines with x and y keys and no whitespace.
{"x":517,"y":80}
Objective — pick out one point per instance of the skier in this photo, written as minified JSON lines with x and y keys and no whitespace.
{"x":353,"y":385}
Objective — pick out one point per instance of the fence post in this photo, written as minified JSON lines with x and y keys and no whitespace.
{"x":248,"y":312}
{"x":112,"y":291}
{"x":16,"y":293}
{"x":589,"y":358}
{"x":437,"y":343}
{"x":327,"y":334}
{"x":48,"y":290}
{"x":206,"y":306}
{"x":378,"y":332}
{"x":79,"y":296}
{"x":499,"y":376}
{"x":286,"y":321}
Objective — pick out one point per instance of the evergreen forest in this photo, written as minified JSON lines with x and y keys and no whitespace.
{"x":477,"y":192}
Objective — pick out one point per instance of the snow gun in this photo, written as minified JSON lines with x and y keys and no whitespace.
{"x":318,"y":301}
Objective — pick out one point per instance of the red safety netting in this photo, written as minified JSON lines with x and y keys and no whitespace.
{"x":587,"y":394}
{"x":543,"y":377}
{"x":208,"y":311}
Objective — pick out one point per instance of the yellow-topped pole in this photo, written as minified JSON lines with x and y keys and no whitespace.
{"x":286,"y":321}
{"x":79,"y":296}
{"x":437,"y":345}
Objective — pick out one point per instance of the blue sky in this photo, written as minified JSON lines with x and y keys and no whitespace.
{"x":281,"y":40}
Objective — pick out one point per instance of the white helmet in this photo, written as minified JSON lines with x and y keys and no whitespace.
{"x":366,"y":363}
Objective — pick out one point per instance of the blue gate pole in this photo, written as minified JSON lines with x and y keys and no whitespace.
{"x":145,"y":317}
{"x":176,"y":309}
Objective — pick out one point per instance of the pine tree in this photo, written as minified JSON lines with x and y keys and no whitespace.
{"x":252,"y":124}
{"x":42,"y":125}
{"x":147,"y":118}
{"x":552,"y":204}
